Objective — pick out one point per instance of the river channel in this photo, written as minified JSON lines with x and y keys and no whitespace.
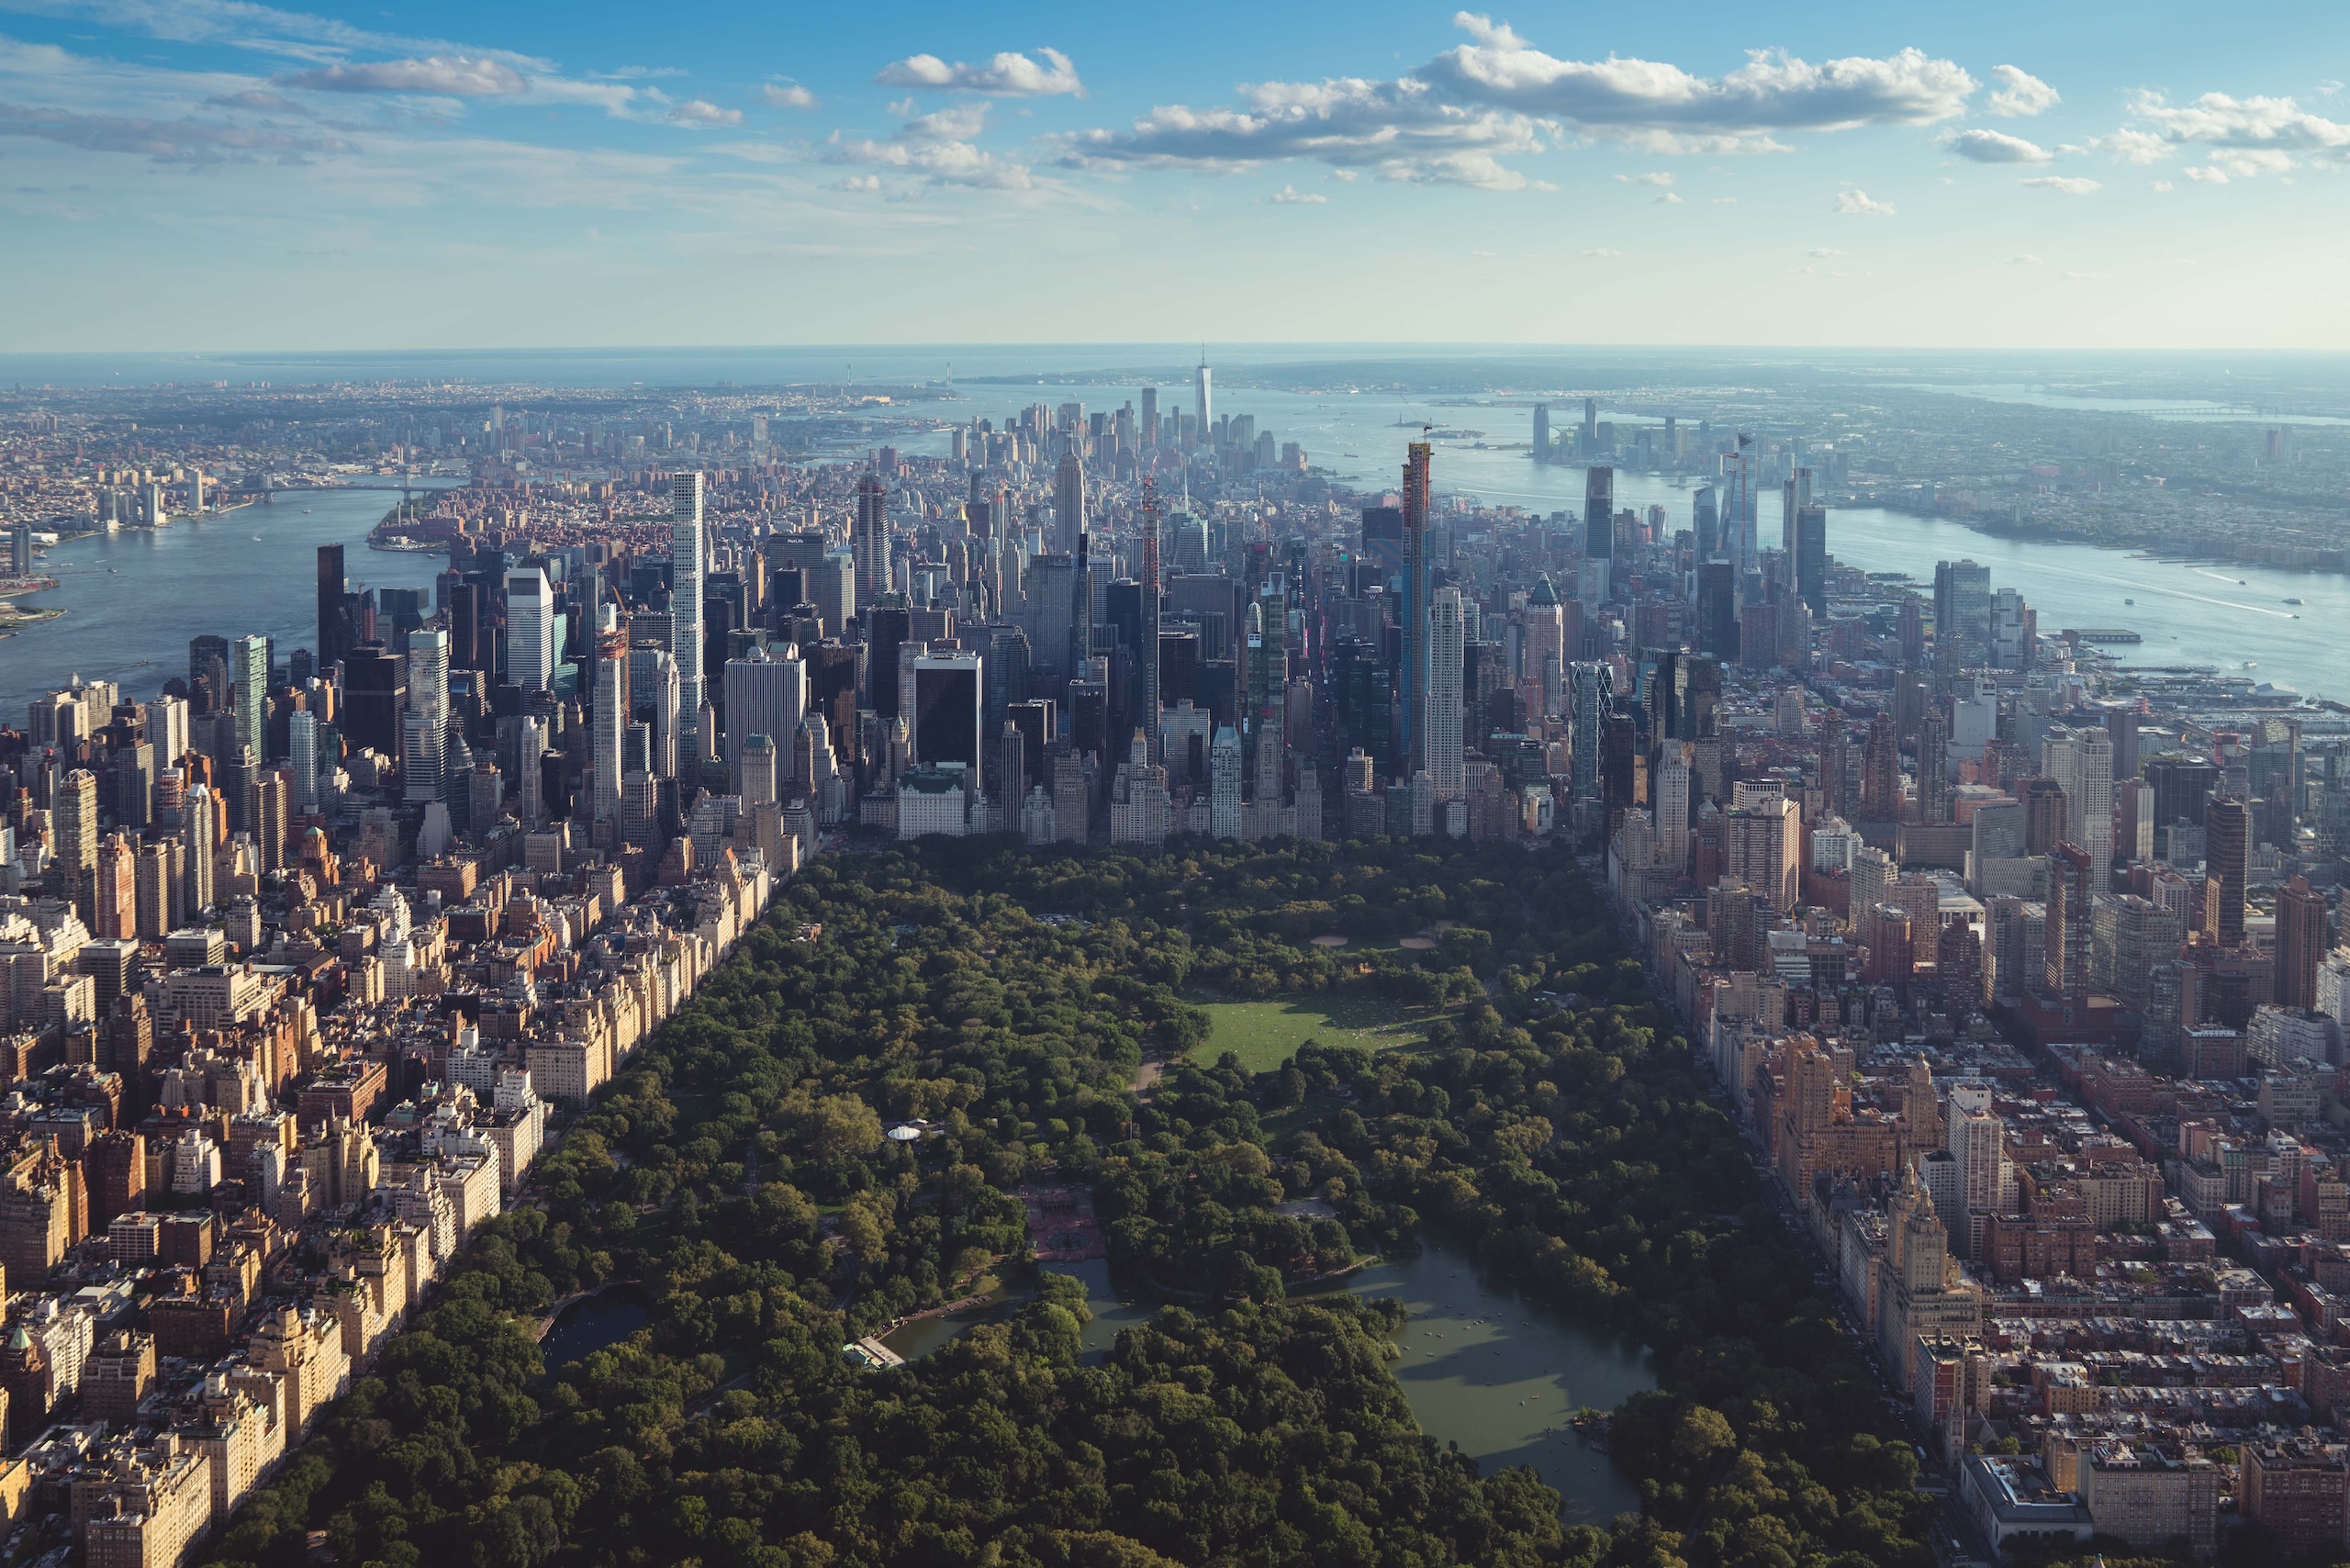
{"x":133,"y":599}
{"x":1484,"y":1367}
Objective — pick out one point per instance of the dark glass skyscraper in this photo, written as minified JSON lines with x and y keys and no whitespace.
{"x":1416,"y":605}
{"x":1812,"y":558}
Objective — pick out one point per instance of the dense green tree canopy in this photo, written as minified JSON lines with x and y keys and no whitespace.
{"x":734,"y":1176}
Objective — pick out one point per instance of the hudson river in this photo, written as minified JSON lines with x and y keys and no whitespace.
{"x":135,"y":597}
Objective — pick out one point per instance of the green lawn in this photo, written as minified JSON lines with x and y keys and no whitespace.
{"x":1265,"y":1033}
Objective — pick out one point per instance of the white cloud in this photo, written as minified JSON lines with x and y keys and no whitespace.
{"x":1008,"y":75}
{"x":2019,"y":93}
{"x":859,"y":183}
{"x":2023,"y":261}
{"x":1825,"y":250}
{"x":1400,"y":129}
{"x":2164,"y":186}
{"x":1669,"y":199}
{"x":1603,"y":253}
{"x":2068,"y":185}
{"x":788,"y":96}
{"x":939,"y":146}
{"x":960,"y":122}
{"x":188,"y":142}
{"x":1725,"y":201}
{"x":1861,"y":204}
{"x":1773,"y":90}
{"x":448,"y":77}
{"x":2248,"y":136}
{"x":1656,"y":179}
{"x":1290,"y":196}
{"x":1454,"y":118}
{"x":1995,"y":146}
{"x":701,"y":111}
{"x":2129,"y":146}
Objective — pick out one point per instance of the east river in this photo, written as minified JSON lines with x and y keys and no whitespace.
{"x":133,"y":599}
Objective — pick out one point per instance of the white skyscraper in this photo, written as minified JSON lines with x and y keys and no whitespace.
{"x":764,"y":696}
{"x":688,"y":560}
{"x":1203,"y":389}
{"x":528,"y":793}
{"x":655,"y":688}
{"x":2082,"y":761}
{"x":1446,"y":637}
{"x":1673,"y":810}
{"x":424,"y":729}
{"x":530,"y":629}
{"x":1224,"y":783}
{"x":609,"y":717}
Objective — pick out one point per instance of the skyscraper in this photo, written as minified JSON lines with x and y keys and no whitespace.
{"x":1204,"y":399}
{"x":608,"y":717}
{"x":764,"y":696}
{"x":2301,"y":943}
{"x":424,"y":729}
{"x":249,"y":690}
{"x":870,"y":540}
{"x":1150,"y":703}
{"x":688,"y":560}
{"x":302,"y":759}
{"x":336,"y":632}
{"x":1793,"y":496}
{"x":2227,"y":869}
{"x":1590,"y":701}
{"x":1069,"y":502}
{"x":1446,"y":627}
{"x":1599,"y":519}
{"x":530,"y":629}
{"x":945,"y":724}
{"x":1416,"y":604}
{"x":1541,"y":433}
{"x":1148,"y":436}
{"x":1812,"y":557}
{"x":1961,"y":616}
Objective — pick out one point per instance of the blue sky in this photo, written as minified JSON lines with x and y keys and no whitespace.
{"x":223,"y":175}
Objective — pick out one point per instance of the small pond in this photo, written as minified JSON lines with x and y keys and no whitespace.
{"x":1484,"y":1367}
{"x":593,"y":1322}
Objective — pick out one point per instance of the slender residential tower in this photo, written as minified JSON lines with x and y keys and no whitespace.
{"x":687,"y":561}
{"x":1416,"y":605}
{"x":1150,"y":619}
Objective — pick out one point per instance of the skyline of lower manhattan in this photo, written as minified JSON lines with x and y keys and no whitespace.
{"x":1172,"y":790}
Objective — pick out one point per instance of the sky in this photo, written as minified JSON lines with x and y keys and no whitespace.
{"x":221,"y":175}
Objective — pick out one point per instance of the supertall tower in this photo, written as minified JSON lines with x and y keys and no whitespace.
{"x":1068,"y":503}
{"x":1445,"y":728}
{"x":1416,"y":605}
{"x":1599,"y":521}
{"x":608,"y":718}
{"x":870,"y":540}
{"x":688,"y":560}
{"x":1150,"y":619}
{"x":1203,"y":395}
